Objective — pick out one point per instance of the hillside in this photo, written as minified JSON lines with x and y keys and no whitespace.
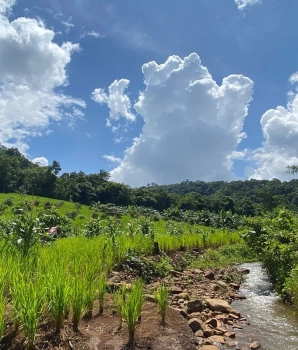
{"x":250,"y":197}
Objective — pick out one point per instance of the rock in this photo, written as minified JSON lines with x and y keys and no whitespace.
{"x":208,"y":332}
{"x":255,"y":345}
{"x":220,"y":331}
{"x":220,"y":316}
{"x":199,"y":333}
{"x":195,"y":324}
{"x":209,"y":347}
{"x":230,"y":334}
{"x":209,"y":275}
{"x":212,"y":322}
{"x":218,"y":305}
{"x":235,"y":285}
{"x":181,"y":312}
{"x":150,"y":298}
{"x":216,"y":288}
{"x":236,"y":326}
{"x":195,"y":306}
{"x":237,"y":296}
{"x":245,"y":271}
{"x":206,"y":342}
{"x":222,"y":284}
{"x":234,"y":314}
{"x":198,"y":271}
{"x":176,"y":290}
{"x":175,"y":273}
{"x":230,"y":344}
{"x":183,"y":296}
{"x":217,"y":339}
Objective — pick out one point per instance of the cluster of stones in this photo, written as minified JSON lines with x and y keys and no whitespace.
{"x":203,"y":299}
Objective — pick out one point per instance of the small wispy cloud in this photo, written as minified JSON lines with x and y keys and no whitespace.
{"x":58,"y":16}
{"x":92,"y":34}
{"x":68,"y":24}
{"x":241,"y":4}
{"x":112,"y":158}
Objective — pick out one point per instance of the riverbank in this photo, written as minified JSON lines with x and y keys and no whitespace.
{"x":201,"y":314}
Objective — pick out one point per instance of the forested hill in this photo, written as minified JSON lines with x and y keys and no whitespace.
{"x":18,"y":174}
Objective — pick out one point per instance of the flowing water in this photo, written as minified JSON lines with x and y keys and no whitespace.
{"x":272,"y":323}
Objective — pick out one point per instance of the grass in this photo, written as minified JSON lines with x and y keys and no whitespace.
{"x":130,"y":306}
{"x":162,"y":295}
{"x":224,"y":256}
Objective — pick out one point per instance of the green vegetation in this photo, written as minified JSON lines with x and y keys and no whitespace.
{"x":130,"y":307}
{"x":45,"y":278}
{"x":249,"y":198}
{"x":102,"y":287}
{"x":48,"y":278}
{"x":161,"y":295}
{"x":275,"y":242}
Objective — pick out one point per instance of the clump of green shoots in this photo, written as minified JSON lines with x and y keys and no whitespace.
{"x":32,"y":303}
{"x":102,"y":286}
{"x":130,"y":306}
{"x":77,"y":301}
{"x":161,"y":295}
{"x":90,"y":289}
{"x":59,"y":295}
{"x":2,"y":310}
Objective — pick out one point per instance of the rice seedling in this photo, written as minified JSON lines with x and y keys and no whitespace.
{"x":2,"y":310}
{"x":102,"y":287}
{"x":59,"y":295}
{"x":32,"y":302}
{"x":77,"y":300}
{"x":90,"y":288}
{"x":161,"y":295}
{"x":131,"y":307}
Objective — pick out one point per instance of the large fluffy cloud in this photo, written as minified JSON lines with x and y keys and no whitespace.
{"x":192,"y":125}
{"x":32,"y":67}
{"x":280,"y":146}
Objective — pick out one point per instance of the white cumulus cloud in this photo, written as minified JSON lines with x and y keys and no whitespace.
{"x":32,"y":67}
{"x":241,"y":4}
{"x":42,"y":161}
{"x":280,"y":146}
{"x":192,"y":125}
{"x":117,"y":101}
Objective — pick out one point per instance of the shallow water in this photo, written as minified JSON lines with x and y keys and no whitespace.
{"x":272,"y":323}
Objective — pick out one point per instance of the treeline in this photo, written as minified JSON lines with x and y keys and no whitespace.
{"x":250,"y":198}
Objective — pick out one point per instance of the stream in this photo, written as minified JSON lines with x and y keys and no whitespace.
{"x":272,"y":323}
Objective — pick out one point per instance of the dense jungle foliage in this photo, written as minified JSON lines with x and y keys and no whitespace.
{"x":250,"y":198}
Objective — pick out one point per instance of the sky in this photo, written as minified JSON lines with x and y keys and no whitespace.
{"x":152,"y":91}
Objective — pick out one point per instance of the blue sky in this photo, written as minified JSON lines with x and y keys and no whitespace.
{"x":152,"y":91}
